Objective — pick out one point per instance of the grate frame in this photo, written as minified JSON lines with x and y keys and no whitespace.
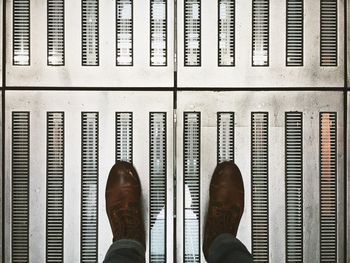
{"x":259,"y":180}
{"x":124,"y":33}
{"x":21,"y":33}
{"x":294,"y":186}
{"x":328,"y":186}
{"x":192,"y":29}
{"x":329,"y":33}
{"x":20,"y":168}
{"x":90,"y":33}
{"x":89,"y":186}
{"x":191,"y":176}
{"x":225,"y":136}
{"x":158,"y":183}
{"x":295,"y":33}
{"x":260,"y":33}
{"x":124,"y":136}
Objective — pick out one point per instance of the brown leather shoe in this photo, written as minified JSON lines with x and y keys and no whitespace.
{"x":123,"y":203}
{"x":226,"y":203}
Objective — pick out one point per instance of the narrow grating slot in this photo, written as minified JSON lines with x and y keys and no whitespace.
{"x":329,"y":34}
{"x":89,"y":187}
{"x":90,"y":33}
{"x":158,"y":165}
{"x":294,"y":186}
{"x":124,"y":130}
{"x":225,"y":136}
{"x":191,"y":187}
{"x":55,"y":32}
{"x":21,"y":33}
{"x":192,"y":32}
{"x":328,"y":187}
{"x":260,"y":198}
{"x":20,"y":187}
{"x":260,"y":33}
{"x":295,"y":32}
{"x":55,"y":187}
{"x":226,"y":31}
{"x":124,"y":20}
{"x":158,"y":32}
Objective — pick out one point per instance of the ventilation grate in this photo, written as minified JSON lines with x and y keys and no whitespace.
{"x":295,"y":32}
{"x":158,"y":33}
{"x":260,"y":33}
{"x":89,"y":187}
{"x":124,"y":32}
{"x":328,"y":187}
{"x":294,"y":186}
{"x":191,"y":186}
{"x":226,"y":31}
{"x":55,"y":31}
{"x":259,"y":166}
{"x":21,"y":32}
{"x":158,"y":166}
{"x":90,"y":33}
{"x":192,"y":33}
{"x":55,"y":187}
{"x":20,"y":187}
{"x":329,"y":35}
{"x":124,"y":132}
{"x":225,"y":136}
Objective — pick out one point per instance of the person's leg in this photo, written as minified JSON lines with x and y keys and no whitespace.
{"x":123,"y":205}
{"x":125,"y":251}
{"x":226,"y":248}
{"x":226,"y":205}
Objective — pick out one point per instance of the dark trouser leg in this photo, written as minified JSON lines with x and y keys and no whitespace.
{"x":228,"y":249}
{"x":125,"y":251}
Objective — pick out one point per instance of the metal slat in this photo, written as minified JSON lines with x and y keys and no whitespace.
{"x":20,"y":187}
{"x":328,"y":187}
{"x":295,"y":32}
{"x":89,"y":187}
{"x":294,"y":186}
{"x":260,"y":52}
{"x":226,"y":33}
{"x":124,"y":32}
{"x":21,"y":33}
{"x":192,"y":10}
{"x":191,"y":187}
{"x":55,"y":187}
{"x":260,"y":198}
{"x":225,"y":136}
{"x":158,"y":166}
{"x":158,"y":33}
{"x":90,"y":32}
{"x":124,"y":133}
{"x":329,"y":33}
{"x":55,"y":33}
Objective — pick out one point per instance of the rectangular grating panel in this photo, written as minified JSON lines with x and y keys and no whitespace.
{"x":294,"y":186}
{"x":192,"y":10}
{"x":89,"y":187}
{"x":55,"y":32}
{"x":20,"y":187}
{"x":191,"y":187}
{"x":226,"y":33}
{"x":295,"y":32}
{"x":329,"y":35}
{"x":260,"y":198}
{"x":90,"y":33}
{"x":225,"y":136}
{"x":124,"y":21}
{"x":55,"y":187}
{"x":124,"y":133}
{"x":328,"y":187}
{"x":260,"y":52}
{"x":158,"y":166}
{"x":158,"y":33}
{"x":21,"y":33}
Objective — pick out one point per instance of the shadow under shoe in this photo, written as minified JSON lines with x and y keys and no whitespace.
{"x":226,"y":203}
{"x":123,"y":203}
